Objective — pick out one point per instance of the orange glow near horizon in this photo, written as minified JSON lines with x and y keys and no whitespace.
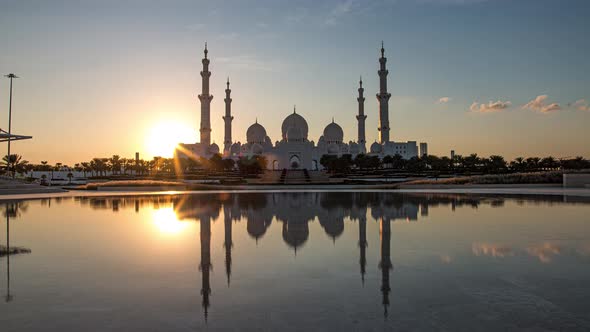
{"x":163,"y":138}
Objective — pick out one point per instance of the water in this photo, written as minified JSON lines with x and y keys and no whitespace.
{"x":297,"y":261}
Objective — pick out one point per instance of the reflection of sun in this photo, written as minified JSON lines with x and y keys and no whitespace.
{"x":164,"y":136}
{"x":167,"y":222}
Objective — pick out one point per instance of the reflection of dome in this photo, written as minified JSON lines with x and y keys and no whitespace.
{"x":256,"y":227}
{"x":333,"y":133}
{"x":333,"y":226}
{"x":333,"y":148}
{"x":297,"y":121}
{"x":214,"y":148}
{"x":256,"y":133}
{"x":294,"y":134}
{"x":295,"y":234}
{"x":257,"y":148}
{"x":376,"y":148}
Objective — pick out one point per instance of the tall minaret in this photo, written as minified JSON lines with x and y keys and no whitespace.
{"x":205,"y":99}
{"x":227,"y":119}
{"x":383,"y":98}
{"x":361,"y":117}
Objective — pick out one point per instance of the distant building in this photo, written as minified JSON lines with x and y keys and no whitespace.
{"x":423,"y":149}
{"x":294,"y":150}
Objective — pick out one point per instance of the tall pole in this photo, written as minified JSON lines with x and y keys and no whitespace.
{"x":11,"y":76}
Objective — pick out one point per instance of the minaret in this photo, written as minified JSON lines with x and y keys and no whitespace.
{"x":361,"y":117}
{"x":383,"y":99}
{"x":227,"y":119}
{"x":385,"y":264}
{"x":205,"y":265}
{"x":205,"y":99}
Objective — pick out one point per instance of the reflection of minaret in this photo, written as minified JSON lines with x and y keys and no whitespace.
{"x":205,"y":99}
{"x":227,"y":120}
{"x":205,"y":265}
{"x":385,"y":264}
{"x":8,"y":297}
{"x":361,"y":117}
{"x":383,"y":98}
{"x":227,"y":244}
{"x":363,"y":245}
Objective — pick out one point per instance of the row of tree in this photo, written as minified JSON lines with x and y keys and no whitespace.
{"x":473,"y":163}
{"x":459,"y":164}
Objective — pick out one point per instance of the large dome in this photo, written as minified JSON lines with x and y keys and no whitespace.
{"x":297,"y":121}
{"x":333,"y":133}
{"x":256,"y":133}
{"x":294,"y":134}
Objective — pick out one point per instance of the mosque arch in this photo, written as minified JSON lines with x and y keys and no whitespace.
{"x":294,"y":162}
{"x":275,"y":165}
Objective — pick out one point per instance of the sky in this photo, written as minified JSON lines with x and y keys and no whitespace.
{"x":98,"y":78}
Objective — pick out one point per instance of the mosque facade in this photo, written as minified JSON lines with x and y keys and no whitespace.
{"x":294,"y":149}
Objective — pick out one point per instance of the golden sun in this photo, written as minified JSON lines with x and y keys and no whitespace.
{"x":163,"y":138}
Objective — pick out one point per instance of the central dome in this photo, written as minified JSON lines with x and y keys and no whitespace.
{"x":294,"y":120}
{"x":256,"y":134}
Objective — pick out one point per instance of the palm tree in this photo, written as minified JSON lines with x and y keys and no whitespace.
{"x":115,"y":164}
{"x":86,"y":167}
{"x":14,"y":163}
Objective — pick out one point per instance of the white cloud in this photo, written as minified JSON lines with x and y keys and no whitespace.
{"x":492,"y":106}
{"x":581,"y":105}
{"x":444,"y":100}
{"x":539,"y":105}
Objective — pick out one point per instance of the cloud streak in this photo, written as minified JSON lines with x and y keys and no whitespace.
{"x":539,"y":104}
{"x":581,"y":105}
{"x":341,"y":9}
{"x":492,"y":106}
{"x":444,"y":100}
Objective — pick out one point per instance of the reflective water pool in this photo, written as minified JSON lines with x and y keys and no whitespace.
{"x":326,"y":261}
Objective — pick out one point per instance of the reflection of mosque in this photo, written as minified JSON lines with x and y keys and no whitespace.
{"x":295,"y":211}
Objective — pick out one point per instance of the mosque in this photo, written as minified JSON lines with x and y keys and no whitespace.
{"x":294,"y":150}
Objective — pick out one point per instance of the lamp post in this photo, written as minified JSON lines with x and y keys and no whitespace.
{"x":11,"y":76}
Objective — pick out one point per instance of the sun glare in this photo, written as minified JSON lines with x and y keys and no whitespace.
{"x":165,"y":136}
{"x":167,"y":222}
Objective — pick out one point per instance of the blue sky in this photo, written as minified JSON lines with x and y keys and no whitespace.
{"x":98,"y":75}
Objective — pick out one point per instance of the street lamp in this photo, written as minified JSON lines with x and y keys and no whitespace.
{"x":11,"y":76}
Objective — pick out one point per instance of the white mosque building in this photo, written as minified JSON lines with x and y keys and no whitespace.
{"x":294,"y":150}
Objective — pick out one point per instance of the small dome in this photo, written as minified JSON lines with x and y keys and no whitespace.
{"x":213,"y":148}
{"x":256,"y":133}
{"x":294,"y":134}
{"x":376,"y":148}
{"x":235,"y":148}
{"x":333,"y":133}
{"x":354,"y":148}
{"x":297,"y":121}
